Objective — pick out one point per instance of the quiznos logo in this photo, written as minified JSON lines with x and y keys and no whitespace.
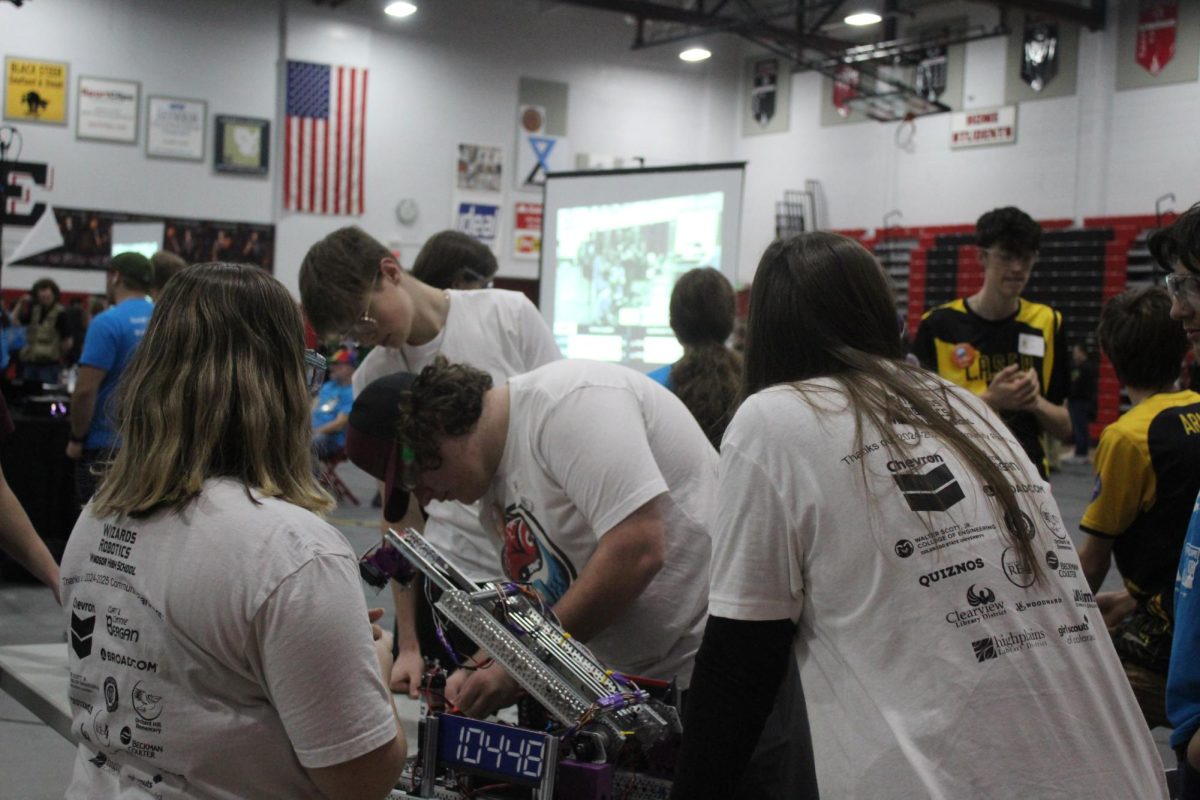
{"x":930,"y":578}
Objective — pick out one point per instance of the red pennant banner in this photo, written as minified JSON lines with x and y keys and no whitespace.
{"x":1157,"y":23}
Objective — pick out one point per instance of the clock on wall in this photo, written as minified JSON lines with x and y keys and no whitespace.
{"x":406,"y":211}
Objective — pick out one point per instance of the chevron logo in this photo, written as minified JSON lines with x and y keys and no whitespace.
{"x":82,"y":629}
{"x":936,"y":490}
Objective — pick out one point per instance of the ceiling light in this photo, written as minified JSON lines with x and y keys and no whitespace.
{"x":695,"y":54}
{"x":403,"y":8}
{"x":863,"y":18}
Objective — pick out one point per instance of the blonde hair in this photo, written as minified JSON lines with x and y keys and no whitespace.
{"x":215,"y":389}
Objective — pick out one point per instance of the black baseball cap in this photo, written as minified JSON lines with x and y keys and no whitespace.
{"x":371,"y":441}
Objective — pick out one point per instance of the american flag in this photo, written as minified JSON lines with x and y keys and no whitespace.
{"x":323,"y":139}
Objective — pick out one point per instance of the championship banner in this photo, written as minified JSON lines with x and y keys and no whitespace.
{"x":1039,"y":62}
{"x":762,"y":91}
{"x":845,"y":86}
{"x":931,"y":74}
{"x":527,"y":231}
{"x":35,"y":91}
{"x":1156,"y":26}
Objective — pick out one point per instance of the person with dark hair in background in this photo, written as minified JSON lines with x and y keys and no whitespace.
{"x":166,"y":264}
{"x":1081,"y":401}
{"x":203,"y":552}
{"x":454,"y":260}
{"x":1009,"y":351}
{"x":1176,"y":249}
{"x":1147,"y":478}
{"x":352,"y":285}
{"x":47,"y":333}
{"x":107,"y":348}
{"x":708,"y":377}
{"x":875,"y":523}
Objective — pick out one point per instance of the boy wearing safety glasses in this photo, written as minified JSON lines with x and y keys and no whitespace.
{"x":352,"y":285}
{"x":1177,"y":250}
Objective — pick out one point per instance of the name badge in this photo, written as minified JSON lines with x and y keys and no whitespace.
{"x":1029,"y":344}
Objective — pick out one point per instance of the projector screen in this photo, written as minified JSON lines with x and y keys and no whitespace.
{"x":138,"y":237}
{"x":615,"y":242}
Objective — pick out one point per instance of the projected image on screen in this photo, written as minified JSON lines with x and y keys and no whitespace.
{"x":616,"y":266}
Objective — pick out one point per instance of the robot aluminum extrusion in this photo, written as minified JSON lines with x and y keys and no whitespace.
{"x":611,"y":738}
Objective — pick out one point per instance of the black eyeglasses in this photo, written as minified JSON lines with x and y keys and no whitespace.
{"x":315,"y":368}
{"x":1184,"y":288}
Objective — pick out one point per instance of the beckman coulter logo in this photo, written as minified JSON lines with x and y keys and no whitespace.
{"x":935,"y":490}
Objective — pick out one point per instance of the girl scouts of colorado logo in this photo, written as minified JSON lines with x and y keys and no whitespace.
{"x":963,"y":355}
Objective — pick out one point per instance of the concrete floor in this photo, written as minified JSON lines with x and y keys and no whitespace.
{"x":35,"y":762}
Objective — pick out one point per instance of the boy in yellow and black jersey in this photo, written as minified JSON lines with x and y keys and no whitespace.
{"x":1147,"y":478}
{"x":1009,"y":351}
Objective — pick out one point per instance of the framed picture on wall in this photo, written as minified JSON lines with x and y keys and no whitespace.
{"x":35,"y":91}
{"x":175,"y":127}
{"x":242,"y":145}
{"x":108,"y":110}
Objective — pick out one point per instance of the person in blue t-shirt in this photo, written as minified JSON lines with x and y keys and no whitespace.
{"x":107,"y":349}
{"x":1177,"y":249}
{"x":331,"y":409}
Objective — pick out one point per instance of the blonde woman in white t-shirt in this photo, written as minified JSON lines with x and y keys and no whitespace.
{"x":881,"y":526}
{"x":219,"y":640}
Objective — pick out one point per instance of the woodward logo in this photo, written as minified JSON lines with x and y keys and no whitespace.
{"x":1018,"y":571}
{"x":1048,"y":601}
{"x":982,"y":597}
{"x":930,"y":578}
{"x":904,"y":548}
{"x":82,"y":629}
{"x":936,"y":490}
{"x":1002,"y":644}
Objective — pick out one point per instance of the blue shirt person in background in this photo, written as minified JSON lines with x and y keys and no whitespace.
{"x":331,"y":409}
{"x":1177,"y":249}
{"x":107,"y":349}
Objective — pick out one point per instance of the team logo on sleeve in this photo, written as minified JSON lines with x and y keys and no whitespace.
{"x":1187,"y":565}
{"x":963,"y":355}
{"x":529,"y":556}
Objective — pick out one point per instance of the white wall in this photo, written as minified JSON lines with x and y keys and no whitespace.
{"x":220,"y":51}
{"x":445,"y":76}
{"x":1097,"y":153}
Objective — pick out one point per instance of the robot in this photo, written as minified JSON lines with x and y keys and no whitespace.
{"x":608,"y":736}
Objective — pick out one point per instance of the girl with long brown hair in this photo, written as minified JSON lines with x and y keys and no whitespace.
{"x":883,"y":528}
{"x":215,"y":620}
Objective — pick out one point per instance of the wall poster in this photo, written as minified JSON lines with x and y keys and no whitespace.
{"x":108,"y":110}
{"x":479,"y":167}
{"x":175,"y":128}
{"x":35,"y":91}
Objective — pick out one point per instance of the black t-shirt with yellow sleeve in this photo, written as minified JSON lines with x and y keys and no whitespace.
{"x":1147,"y":478}
{"x":969,"y":350}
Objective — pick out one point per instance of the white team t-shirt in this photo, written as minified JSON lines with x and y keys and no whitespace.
{"x":217,"y":652}
{"x":929,"y":670}
{"x":501,"y":333}
{"x":588,"y":444}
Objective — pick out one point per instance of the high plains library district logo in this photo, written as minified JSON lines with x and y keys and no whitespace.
{"x":1002,"y":644}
